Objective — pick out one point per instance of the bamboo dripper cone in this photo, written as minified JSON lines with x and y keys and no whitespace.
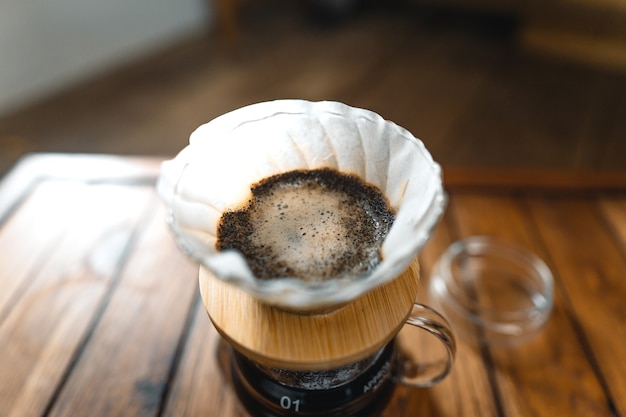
{"x":277,"y":338}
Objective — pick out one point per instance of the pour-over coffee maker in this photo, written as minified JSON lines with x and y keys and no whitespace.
{"x":304,"y":348}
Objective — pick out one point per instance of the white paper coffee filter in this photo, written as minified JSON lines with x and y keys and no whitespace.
{"x":226,"y":156}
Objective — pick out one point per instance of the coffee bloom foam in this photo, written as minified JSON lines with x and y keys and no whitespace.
{"x":215,"y":172}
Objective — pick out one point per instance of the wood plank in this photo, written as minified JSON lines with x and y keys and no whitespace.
{"x":201,"y":386}
{"x":590,"y":267}
{"x":506,"y":179}
{"x":614,"y":209}
{"x":63,"y":287}
{"x":21,"y":261}
{"x":117,"y":375}
{"x":543,"y":376}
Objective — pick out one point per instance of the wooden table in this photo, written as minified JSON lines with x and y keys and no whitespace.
{"x":100,"y":313}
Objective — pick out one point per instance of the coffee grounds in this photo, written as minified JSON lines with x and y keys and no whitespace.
{"x":313,"y":225}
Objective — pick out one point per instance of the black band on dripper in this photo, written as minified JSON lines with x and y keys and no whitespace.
{"x":364,"y":396}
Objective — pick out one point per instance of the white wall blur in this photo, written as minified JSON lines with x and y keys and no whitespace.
{"x":48,"y":45}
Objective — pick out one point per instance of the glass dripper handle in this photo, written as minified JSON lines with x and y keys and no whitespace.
{"x":410,"y":369}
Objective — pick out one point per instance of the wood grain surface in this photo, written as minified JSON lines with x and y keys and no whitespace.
{"x":100,"y":313}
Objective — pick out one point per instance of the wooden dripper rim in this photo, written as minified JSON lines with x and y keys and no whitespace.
{"x":277,"y":338}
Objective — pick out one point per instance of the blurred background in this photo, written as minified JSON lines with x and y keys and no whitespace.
{"x":528,"y":84}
